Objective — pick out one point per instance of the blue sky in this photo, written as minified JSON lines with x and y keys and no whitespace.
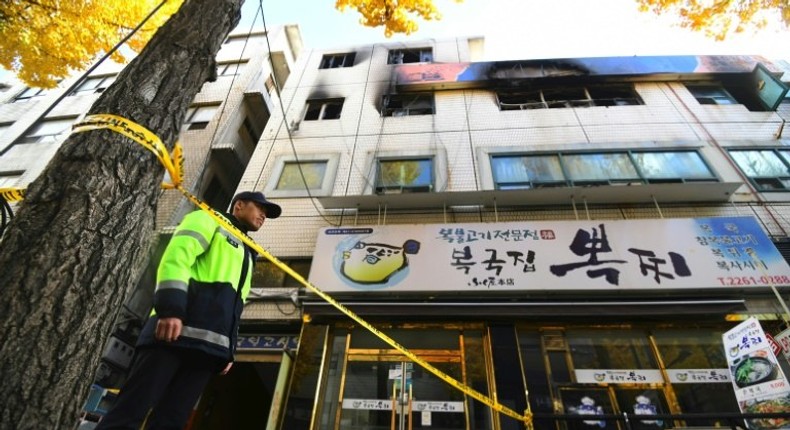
{"x":522,"y":29}
{"x":525,"y":29}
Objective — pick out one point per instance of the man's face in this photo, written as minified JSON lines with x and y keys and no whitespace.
{"x":251,"y":214}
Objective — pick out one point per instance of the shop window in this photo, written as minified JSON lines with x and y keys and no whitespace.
{"x":695,"y":364}
{"x":230,"y":69}
{"x":568,"y":97}
{"x":336,"y":61}
{"x":710,"y":94}
{"x":29,"y":94}
{"x":768,"y":169}
{"x":323,"y":109}
{"x":408,"y":104}
{"x":408,"y":175}
{"x":198,"y":117}
{"x":404,"y":56}
{"x":51,"y":130}
{"x":608,"y":168}
{"x":267,"y":275}
{"x":610,"y":349}
{"x":94,"y":84}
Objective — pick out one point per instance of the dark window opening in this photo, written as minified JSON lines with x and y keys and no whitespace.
{"x":323,"y":109}
{"x":335,"y":61}
{"x":408,"y":104}
{"x":557,"y":98}
{"x":404,"y":56}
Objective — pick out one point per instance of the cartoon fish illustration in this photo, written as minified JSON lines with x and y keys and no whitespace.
{"x":375,"y":263}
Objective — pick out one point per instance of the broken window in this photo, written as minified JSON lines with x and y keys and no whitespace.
{"x":404,"y":56}
{"x":565,"y":97}
{"x":408,"y":104}
{"x":323,"y":109}
{"x":335,"y":61}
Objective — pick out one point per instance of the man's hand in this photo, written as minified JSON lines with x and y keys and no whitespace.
{"x":226,"y":369}
{"x":168,"y":329}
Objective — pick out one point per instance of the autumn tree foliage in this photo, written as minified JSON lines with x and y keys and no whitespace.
{"x":396,"y":16}
{"x":721,"y":17}
{"x":46,"y":40}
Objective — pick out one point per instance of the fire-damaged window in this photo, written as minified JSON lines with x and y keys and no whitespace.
{"x":404,"y":175}
{"x":768,"y":169}
{"x":408,"y":104}
{"x":565,"y":97}
{"x":415,"y":55}
{"x":335,"y":61}
{"x":321,"y":109}
{"x":525,"y":171}
{"x":711,"y":94}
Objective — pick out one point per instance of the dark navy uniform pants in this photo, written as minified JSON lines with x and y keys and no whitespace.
{"x":168,"y":380}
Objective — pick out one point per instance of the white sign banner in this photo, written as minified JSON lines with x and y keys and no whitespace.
{"x":368,"y":404}
{"x":758,"y":381}
{"x":698,"y":376}
{"x":619,"y":376}
{"x":434,"y":406}
{"x":731,"y":252}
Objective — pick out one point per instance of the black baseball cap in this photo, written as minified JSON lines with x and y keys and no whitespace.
{"x":273,"y":210}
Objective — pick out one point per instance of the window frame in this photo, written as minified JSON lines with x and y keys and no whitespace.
{"x":694,"y":89}
{"x":379,"y":188}
{"x":327,"y":183}
{"x":28,"y":137}
{"x":424,"y":55}
{"x":330,"y":61}
{"x":225,"y":66}
{"x":759,"y":182}
{"x":641,"y":178}
{"x":193,"y":111}
{"x":322,"y":109}
{"x":37,"y":93}
{"x":419,"y":97}
{"x":103,"y":82}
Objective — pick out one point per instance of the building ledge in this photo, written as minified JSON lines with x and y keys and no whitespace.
{"x":662,"y":193}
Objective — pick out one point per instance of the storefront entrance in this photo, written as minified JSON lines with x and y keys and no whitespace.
{"x":384,"y":392}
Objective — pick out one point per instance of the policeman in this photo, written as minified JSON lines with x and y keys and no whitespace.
{"x":202,"y":282}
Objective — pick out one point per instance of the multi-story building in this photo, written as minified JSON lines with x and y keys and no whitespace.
{"x":220,"y":133}
{"x":575,"y":235}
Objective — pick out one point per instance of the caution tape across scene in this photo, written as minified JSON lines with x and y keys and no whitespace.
{"x":173,"y":163}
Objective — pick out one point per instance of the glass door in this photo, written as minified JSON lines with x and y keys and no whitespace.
{"x":385,"y":391}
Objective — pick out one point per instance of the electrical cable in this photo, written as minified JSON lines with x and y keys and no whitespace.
{"x":199,"y":180}
{"x":7,"y":215}
{"x":285,"y":122}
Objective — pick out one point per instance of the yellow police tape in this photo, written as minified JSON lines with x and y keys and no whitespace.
{"x":12,"y":194}
{"x":151,"y":142}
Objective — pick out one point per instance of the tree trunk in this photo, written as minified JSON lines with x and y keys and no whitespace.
{"x":79,"y":240}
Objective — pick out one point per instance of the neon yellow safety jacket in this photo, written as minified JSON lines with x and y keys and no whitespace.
{"x":203,"y":279}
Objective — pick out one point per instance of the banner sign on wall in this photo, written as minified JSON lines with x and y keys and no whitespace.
{"x":618,"y":376}
{"x":759,"y":383}
{"x":731,"y":252}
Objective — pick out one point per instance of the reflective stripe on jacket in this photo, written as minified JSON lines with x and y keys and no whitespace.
{"x":198,"y":282}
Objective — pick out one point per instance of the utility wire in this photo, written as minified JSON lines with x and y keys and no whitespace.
{"x":285,"y":122}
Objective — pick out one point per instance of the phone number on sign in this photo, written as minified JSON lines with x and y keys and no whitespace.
{"x":751,"y":280}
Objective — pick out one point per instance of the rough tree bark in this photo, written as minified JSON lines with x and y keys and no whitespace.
{"x":80,"y":238}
